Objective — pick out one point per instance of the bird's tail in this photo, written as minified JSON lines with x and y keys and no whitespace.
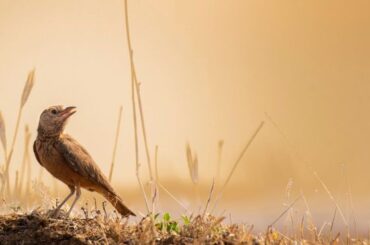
{"x":118,"y":204}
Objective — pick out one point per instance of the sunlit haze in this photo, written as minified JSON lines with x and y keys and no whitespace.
{"x":209,"y":71}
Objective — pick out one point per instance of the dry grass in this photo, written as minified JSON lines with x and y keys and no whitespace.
{"x":95,"y":228}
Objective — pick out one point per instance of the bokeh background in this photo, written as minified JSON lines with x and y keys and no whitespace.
{"x":209,"y":71}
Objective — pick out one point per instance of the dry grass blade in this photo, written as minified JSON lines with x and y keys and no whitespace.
{"x":27,"y":138}
{"x":28,"y":87}
{"x":209,"y":198}
{"x":16,"y":183}
{"x":242,"y":153}
{"x":115,"y":143}
{"x":3,"y":134}
{"x":311,"y":224}
{"x":332,"y":222}
{"x":192,"y":164}
{"x":237,"y":163}
{"x":156,"y":163}
{"x":172,"y":196}
{"x":28,"y":161}
{"x":143,"y":128}
{"x":332,"y":198}
{"x":219,"y":157}
{"x":286,"y":210}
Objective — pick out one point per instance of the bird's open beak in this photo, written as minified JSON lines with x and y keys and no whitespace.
{"x":67,"y":112}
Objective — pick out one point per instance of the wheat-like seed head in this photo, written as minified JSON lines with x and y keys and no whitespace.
{"x":192,"y":164}
{"x":3,"y":133}
{"x":195,"y":169}
{"x":27,"y":87}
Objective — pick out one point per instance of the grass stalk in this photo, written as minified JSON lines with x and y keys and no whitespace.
{"x":156,"y":175}
{"x":138,"y":96}
{"x":27,"y":138}
{"x":16,"y":183}
{"x":285,"y":211}
{"x":312,"y":226}
{"x":325,"y":187}
{"x":219,"y":159}
{"x":156,"y":163}
{"x":332,"y":223}
{"x":209,"y":199}
{"x":350,"y":200}
{"x":3,"y":136}
{"x":133,"y":84}
{"x":29,"y":168}
{"x":26,"y":92}
{"x":115,"y":143}
{"x":172,"y":196}
{"x":237,"y":163}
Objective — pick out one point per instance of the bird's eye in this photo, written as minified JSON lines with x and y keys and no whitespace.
{"x":53,"y":111}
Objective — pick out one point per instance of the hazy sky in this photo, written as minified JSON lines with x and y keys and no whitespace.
{"x":209,"y":70}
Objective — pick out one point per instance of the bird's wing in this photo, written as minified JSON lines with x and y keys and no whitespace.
{"x":36,"y":154}
{"x":80,"y":161}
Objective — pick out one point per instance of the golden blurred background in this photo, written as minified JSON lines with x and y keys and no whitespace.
{"x":209,"y":70}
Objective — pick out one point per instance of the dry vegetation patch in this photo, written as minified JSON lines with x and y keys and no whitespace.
{"x":37,"y":227}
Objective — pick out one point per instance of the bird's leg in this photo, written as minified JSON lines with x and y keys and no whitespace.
{"x":72,"y":188}
{"x":78,"y":194}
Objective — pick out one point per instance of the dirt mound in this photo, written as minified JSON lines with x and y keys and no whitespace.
{"x":38,"y":228}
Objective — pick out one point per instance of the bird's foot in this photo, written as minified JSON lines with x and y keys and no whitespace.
{"x":57,"y":214}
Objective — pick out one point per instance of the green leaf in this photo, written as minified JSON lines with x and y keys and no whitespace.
{"x":185,"y":219}
{"x":172,"y":227}
{"x":166,"y":217}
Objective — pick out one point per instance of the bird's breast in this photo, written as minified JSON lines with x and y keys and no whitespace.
{"x":53,"y":161}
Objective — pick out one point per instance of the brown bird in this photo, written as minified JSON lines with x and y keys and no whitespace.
{"x":68,"y":161}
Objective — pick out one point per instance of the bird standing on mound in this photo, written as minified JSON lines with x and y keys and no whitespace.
{"x":68,"y":161}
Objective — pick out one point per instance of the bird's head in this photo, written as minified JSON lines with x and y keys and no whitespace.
{"x":53,"y":120}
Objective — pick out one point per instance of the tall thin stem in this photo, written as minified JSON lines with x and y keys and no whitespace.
{"x":144,"y":130}
{"x":133,"y":84}
{"x":9,"y":157}
{"x":115,"y":143}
